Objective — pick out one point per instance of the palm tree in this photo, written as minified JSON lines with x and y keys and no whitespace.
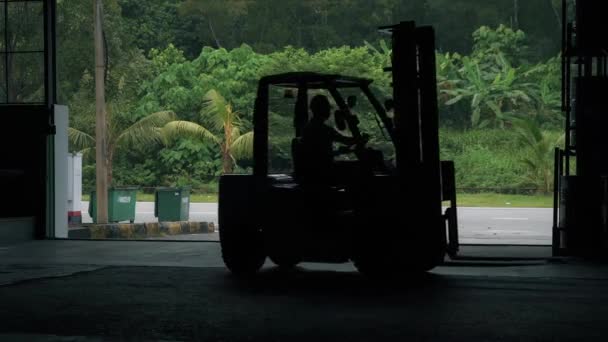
{"x":221,"y":126}
{"x":147,"y":130}
{"x":540,"y":161}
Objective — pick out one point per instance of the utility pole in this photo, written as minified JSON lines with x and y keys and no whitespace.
{"x":101,"y":121}
{"x":516,"y":14}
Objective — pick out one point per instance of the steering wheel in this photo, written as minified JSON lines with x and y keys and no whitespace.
{"x":344,"y":150}
{"x":354,"y":148}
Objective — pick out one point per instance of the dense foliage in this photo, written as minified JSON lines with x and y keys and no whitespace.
{"x":167,"y":55}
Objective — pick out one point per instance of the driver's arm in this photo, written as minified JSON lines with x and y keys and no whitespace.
{"x":349,"y":141}
{"x":337,"y":137}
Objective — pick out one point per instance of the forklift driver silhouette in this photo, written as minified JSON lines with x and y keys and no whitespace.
{"x":317,"y":145}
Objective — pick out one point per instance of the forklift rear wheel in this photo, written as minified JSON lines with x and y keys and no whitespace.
{"x":242,"y":250}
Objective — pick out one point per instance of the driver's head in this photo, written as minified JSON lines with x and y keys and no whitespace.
{"x":320,"y":107}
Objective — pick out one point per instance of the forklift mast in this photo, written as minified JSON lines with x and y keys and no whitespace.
{"x":416,"y":129}
{"x":580,"y":216}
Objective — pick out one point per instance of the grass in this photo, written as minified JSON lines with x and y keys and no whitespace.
{"x":504,"y":201}
{"x":464,"y":200}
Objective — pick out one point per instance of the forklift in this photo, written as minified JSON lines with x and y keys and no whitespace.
{"x":580,"y":216}
{"x":383,"y":214}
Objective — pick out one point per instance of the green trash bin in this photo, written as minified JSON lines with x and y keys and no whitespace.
{"x":121,"y":204}
{"x":172,"y":204}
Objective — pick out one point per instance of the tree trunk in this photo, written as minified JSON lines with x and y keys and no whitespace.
{"x":558,"y":16}
{"x":109,"y":166}
{"x":227,"y":164}
{"x":217,"y":41}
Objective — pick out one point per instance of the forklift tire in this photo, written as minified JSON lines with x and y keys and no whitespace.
{"x":242,"y":250}
{"x":381,"y":268}
{"x":375,"y":268}
{"x":386,"y":270}
{"x":285,"y":262}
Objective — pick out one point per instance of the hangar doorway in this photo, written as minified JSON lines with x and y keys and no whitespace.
{"x":484,"y":148}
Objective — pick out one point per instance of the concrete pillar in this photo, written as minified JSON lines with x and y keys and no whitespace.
{"x":61,"y":172}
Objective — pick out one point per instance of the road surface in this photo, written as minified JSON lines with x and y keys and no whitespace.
{"x":476,"y":225}
{"x":531,"y":226}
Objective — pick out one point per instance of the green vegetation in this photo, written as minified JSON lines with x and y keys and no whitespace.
{"x":123,"y":134}
{"x":219,"y":116}
{"x":498,"y":160}
{"x":498,"y":81}
{"x":492,"y":200}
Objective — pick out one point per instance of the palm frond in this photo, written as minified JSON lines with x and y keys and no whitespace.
{"x":85,"y":152}
{"x":80,"y":140}
{"x":216,"y":110}
{"x":146,"y":130}
{"x":177,"y":129}
{"x":370,"y":47}
{"x":242,"y":147}
{"x":236,"y":133}
{"x":454,"y":100}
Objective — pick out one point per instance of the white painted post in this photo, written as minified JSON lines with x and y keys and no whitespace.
{"x":75,"y":189}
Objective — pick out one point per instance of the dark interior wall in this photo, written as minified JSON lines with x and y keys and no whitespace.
{"x":27,"y":115}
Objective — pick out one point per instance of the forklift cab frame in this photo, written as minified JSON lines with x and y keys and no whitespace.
{"x":303,"y":82}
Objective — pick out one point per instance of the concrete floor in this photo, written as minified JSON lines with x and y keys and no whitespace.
{"x":88,"y":290}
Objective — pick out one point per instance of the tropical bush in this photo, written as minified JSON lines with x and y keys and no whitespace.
{"x":499,"y":160}
{"x":483,"y":96}
{"x":225,"y":131}
{"x":497,"y":82}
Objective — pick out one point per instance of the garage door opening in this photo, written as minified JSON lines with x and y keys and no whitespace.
{"x":189,"y":70}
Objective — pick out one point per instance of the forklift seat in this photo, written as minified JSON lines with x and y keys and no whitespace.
{"x":297,"y":156}
{"x":306,"y":168}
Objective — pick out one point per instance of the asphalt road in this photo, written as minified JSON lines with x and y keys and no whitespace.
{"x":530,"y":226}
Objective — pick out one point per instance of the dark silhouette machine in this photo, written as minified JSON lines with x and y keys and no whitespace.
{"x":581,"y":168}
{"x":385,"y":216}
